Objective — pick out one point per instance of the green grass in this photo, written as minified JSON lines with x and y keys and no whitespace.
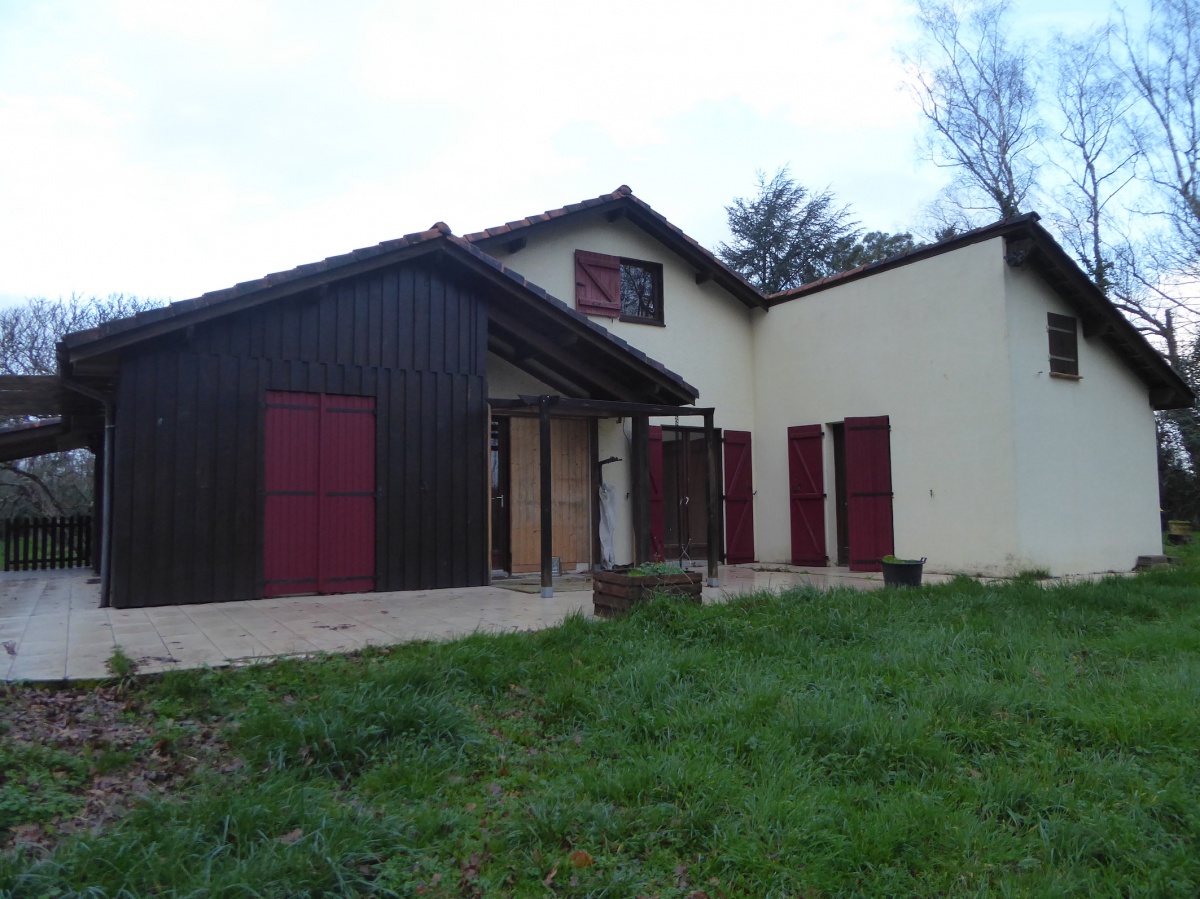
{"x":957,"y":740}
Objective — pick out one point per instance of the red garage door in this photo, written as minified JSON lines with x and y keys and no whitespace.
{"x":319,"y":528}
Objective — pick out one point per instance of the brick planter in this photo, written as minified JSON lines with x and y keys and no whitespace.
{"x":615,"y":592}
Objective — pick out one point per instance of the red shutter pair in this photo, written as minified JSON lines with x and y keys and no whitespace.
{"x":868,"y":488}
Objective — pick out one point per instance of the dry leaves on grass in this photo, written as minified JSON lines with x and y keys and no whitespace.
{"x":123,"y":744}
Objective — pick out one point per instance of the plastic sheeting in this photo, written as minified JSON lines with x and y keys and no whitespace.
{"x":608,"y":524}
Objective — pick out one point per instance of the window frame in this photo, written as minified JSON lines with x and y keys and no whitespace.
{"x":655,"y":270}
{"x":1063,"y":366}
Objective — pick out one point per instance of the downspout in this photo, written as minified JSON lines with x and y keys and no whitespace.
{"x":106,"y":496}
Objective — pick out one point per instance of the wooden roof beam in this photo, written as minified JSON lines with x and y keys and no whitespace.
{"x":567,"y":359}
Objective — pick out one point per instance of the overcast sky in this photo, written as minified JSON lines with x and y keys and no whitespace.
{"x":164,"y":149}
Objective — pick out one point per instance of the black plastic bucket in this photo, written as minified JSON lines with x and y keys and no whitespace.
{"x":905,"y":573}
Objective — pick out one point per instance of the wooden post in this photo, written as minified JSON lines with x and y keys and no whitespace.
{"x":714,"y":499}
{"x":546,"y":499}
{"x":98,"y":467}
{"x":640,"y":469}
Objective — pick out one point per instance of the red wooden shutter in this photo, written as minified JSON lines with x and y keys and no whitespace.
{"x":290,"y":539}
{"x":319,"y":521}
{"x":658,"y":523}
{"x":869,"y":491}
{"x":347,"y":494}
{"x":597,"y":284}
{"x":806,"y":477}
{"x":739,"y":498}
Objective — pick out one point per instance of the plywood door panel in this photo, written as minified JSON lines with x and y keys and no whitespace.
{"x":571,"y":481}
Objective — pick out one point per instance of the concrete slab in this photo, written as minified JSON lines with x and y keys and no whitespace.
{"x":52,"y":626}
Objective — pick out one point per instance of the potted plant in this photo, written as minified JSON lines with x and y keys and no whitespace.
{"x":902,"y":572}
{"x":615,"y":592}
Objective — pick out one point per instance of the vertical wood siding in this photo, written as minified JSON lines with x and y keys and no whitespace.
{"x":188,"y":492}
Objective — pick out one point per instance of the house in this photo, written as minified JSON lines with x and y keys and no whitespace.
{"x":438,"y":408}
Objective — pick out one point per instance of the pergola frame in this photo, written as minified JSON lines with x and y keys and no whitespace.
{"x":548,"y":407}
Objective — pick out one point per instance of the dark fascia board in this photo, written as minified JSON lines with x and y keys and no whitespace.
{"x":36,"y":438}
{"x":117,"y":335}
{"x":1167,"y":389}
{"x":623,"y":202}
{"x":977,"y":235}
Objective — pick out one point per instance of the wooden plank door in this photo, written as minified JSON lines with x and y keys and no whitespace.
{"x":869,"y":491}
{"x":291,"y":539}
{"x":346,"y":519}
{"x":806,"y":479}
{"x":657,"y":519}
{"x":319,"y":516}
{"x":739,"y":498}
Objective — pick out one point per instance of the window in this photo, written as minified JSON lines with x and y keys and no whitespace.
{"x":1064,"y":345}
{"x":629,"y":289}
{"x":641,"y":291}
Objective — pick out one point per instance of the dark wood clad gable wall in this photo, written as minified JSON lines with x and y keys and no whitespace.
{"x":188,"y":489}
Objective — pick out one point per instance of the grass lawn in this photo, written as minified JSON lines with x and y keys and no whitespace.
{"x":956,"y":740}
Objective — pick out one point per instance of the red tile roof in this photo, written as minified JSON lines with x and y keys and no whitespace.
{"x":654,"y":223}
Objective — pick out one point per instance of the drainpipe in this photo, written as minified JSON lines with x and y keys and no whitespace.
{"x":110,"y":427}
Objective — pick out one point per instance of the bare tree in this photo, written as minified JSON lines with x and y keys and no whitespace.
{"x":1094,"y":102}
{"x":56,"y":483}
{"x":973,"y":84}
{"x":1163,"y":67}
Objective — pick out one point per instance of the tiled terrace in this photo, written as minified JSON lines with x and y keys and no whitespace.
{"x":52,"y":627}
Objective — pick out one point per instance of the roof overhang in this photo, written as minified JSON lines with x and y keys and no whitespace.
{"x":1029,"y":245}
{"x":622,"y":203}
{"x":36,"y":438}
{"x":534,"y":331}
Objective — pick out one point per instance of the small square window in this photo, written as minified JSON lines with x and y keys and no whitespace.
{"x":641,"y":291}
{"x":1064,"y":344}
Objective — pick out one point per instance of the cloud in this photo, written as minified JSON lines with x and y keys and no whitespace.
{"x":168,"y":149}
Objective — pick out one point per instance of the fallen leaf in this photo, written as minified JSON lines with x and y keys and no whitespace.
{"x":549,"y":878}
{"x":681,"y":878}
{"x":581,"y":858}
{"x":291,"y":836}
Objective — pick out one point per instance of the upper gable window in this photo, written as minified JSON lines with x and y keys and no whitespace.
{"x":629,"y":289}
{"x":641,"y":291}
{"x":1064,"y":345}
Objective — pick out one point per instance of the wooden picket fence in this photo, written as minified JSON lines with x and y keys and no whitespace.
{"x":58,"y":542}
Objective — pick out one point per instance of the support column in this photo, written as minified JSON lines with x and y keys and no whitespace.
{"x":99,"y":462}
{"x":640,"y":471}
{"x":712,"y":453}
{"x":547,"y":509}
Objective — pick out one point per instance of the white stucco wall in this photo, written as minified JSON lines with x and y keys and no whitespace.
{"x":926,"y":345}
{"x":506,"y":381}
{"x":996,"y":467}
{"x":1086,"y":465}
{"x":705,"y":337}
